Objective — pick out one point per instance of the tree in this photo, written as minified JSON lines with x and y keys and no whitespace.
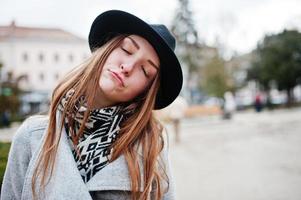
{"x":278,"y":59}
{"x":183,"y":27}
{"x":188,"y":47}
{"x":216,"y":79}
{"x":9,"y":96}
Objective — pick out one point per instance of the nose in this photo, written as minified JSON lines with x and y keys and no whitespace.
{"x":127,"y":68}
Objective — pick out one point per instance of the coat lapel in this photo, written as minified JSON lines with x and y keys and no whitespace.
{"x":67,"y":181}
{"x":114,"y":176}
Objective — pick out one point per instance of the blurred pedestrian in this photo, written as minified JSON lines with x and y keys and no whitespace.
{"x":229,"y":105}
{"x":258,"y":102}
{"x":176,"y":112}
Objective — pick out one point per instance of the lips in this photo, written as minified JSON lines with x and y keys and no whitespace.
{"x":117,"y":76}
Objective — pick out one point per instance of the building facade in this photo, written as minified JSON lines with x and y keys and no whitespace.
{"x":39,"y":57}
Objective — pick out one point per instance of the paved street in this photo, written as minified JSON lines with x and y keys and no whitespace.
{"x":6,"y":134}
{"x":252,"y":157}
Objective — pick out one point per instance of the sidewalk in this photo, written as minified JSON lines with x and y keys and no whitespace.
{"x":255,"y":156}
{"x":6,"y":134}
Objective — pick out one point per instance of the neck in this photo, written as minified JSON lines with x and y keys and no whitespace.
{"x":101,"y":101}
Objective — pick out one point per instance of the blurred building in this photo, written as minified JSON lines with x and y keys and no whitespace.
{"x":39,"y":57}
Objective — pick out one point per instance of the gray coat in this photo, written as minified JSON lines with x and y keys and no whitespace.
{"x":112,"y":182}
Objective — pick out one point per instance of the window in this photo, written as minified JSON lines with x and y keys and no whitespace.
{"x":56,"y":57}
{"x":41,"y":57}
{"x":41,"y":76}
{"x":25,"y":57}
{"x":56,"y":76}
{"x":70,"y":57}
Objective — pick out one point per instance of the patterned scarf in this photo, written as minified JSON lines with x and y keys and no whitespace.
{"x":92,"y":153}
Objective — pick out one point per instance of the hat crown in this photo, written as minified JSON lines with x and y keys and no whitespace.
{"x":165,"y":35}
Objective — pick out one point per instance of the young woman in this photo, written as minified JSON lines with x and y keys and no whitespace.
{"x":100,"y":139}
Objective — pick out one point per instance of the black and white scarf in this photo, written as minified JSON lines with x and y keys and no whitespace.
{"x":101,"y":130}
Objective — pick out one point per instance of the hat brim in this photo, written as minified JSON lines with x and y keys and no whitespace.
{"x":115,"y":22}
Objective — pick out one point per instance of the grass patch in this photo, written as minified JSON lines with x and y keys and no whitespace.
{"x":4,"y":149}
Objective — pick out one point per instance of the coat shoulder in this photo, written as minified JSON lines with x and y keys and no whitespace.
{"x":37,"y":122}
{"x":31,"y":130}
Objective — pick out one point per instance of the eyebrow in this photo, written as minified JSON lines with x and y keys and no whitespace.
{"x":137,"y":46}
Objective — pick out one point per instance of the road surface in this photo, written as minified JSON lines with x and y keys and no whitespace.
{"x":255,"y":156}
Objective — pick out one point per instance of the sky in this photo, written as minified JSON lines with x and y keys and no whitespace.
{"x":234,"y":25}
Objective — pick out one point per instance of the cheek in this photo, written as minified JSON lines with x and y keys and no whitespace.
{"x":113,"y":55}
{"x":106,"y":83}
{"x":135,"y":89}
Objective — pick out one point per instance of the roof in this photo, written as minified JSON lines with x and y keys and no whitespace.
{"x":35,"y":33}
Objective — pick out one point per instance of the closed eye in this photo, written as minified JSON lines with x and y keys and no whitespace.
{"x":126,"y":51}
{"x":144,"y":71}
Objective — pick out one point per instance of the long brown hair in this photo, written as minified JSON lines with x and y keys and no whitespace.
{"x":140,"y":130}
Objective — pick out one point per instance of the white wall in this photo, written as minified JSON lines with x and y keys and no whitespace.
{"x":12,"y":56}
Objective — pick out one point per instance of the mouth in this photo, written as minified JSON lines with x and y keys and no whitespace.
{"x":117,"y":77}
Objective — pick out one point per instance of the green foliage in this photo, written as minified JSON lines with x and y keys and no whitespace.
{"x":11,"y":103}
{"x":9,"y":96}
{"x":4,"y":149}
{"x":279,"y":60}
{"x":216,"y":80}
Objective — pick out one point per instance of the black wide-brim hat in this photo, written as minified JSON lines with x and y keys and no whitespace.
{"x":110,"y":23}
